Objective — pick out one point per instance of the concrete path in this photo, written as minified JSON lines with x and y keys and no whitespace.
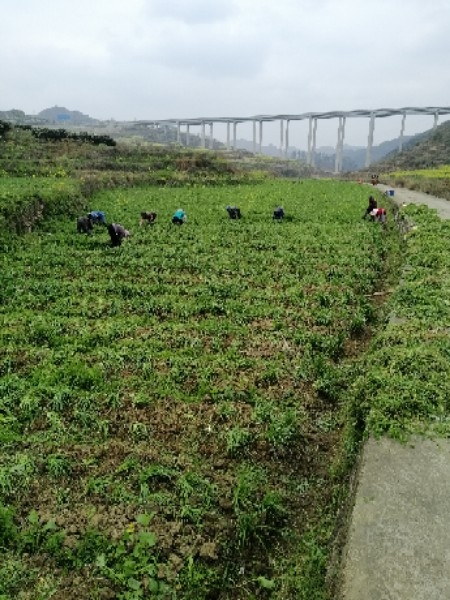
{"x":402,"y":195}
{"x":398,"y":541}
{"x":398,"y":545}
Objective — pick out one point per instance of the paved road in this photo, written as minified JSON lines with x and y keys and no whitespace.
{"x":401,"y":195}
{"x":398,"y":542}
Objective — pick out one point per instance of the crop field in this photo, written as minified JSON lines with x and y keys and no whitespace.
{"x":441,"y":172}
{"x":406,"y":384}
{"x":173,"y":412}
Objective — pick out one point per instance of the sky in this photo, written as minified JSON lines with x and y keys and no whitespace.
{"x":158,"y":59}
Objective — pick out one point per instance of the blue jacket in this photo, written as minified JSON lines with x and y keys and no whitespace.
{"x":98,"y":216}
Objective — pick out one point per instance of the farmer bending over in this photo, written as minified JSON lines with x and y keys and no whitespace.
{"x":370,"y":208}
{"x":234,"y":212}
{"x":117,"y":233}
{"x":278,"y":213}
{"x":149,"y":217}
{"x":98,"y":217}
{"x":179,"y":217}
{"x":378,"y":214}
{"x":84,"y":225}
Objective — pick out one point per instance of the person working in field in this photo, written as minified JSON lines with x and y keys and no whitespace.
{"x":378,"y":214}
{"x":278,"y":213}
{"x":233,"y":212}
{"x":98,"y":217}
{"x":179,"y":217}
{"x":148,"y":217}
{"x":117,"y":233}
{"x":372,"y":204}
{"x":84,"y":225}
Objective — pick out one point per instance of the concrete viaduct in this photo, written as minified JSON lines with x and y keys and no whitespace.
{"x":284,"y":120}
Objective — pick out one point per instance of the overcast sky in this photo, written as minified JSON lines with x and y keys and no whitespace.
{"x":156,"y":59}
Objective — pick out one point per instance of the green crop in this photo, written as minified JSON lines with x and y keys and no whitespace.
{"x":196,"y":374}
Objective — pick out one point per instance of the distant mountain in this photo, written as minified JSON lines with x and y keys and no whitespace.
{"x":18,"y":117}
{"x":353,"y":158}
{"x":63,"y":116}
{"x":56,"y":116}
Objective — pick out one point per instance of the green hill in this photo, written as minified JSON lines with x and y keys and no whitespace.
{"x":427,"y":150}
{"x":416,"y":166}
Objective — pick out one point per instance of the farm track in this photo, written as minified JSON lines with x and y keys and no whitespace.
{"x":402,"y":195}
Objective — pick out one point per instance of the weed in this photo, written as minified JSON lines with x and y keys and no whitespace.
{"x":156,"y":473}
{"x":197,"y":495}
{"x":247,"y":506}
{"x":139,"y":431}
{"x":16,"y":476}
{"x":283,"y":428}
{"x":91,"y":544}
{"x":226,"y":410}
{"x":273,"y":510}
{"x":8,"y":529}
{"x":199,"y":581}
{"x":237,"y":440}
{"x":132,"y":563}
{"x":39,"y":535}
{"x":15,"y":576}
{"x":58,"y":466}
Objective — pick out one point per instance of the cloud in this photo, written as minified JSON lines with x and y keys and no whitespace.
{"x":161,"y":58}
{"x":212,"y":54}
{"x":191,"y":12}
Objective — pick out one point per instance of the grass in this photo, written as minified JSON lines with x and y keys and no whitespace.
{"x":404,"y":387}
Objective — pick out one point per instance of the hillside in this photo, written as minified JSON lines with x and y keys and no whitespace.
{"x":428,"y":152}
{"x":63,"y":168}
{"x":138,"y":133}
{"x":60,"y":115}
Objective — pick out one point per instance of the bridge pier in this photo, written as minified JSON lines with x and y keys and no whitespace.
{"x":308,"y":156}
{"x":370,"y":140}
{"x":402,"y":133}
{"x":286,"y":139}
{"x":281,"y":136}
{"x":339,"y":146}
{"x":203,"y":134}
{"x":260,"y":136}
{"x":313,"y":143}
